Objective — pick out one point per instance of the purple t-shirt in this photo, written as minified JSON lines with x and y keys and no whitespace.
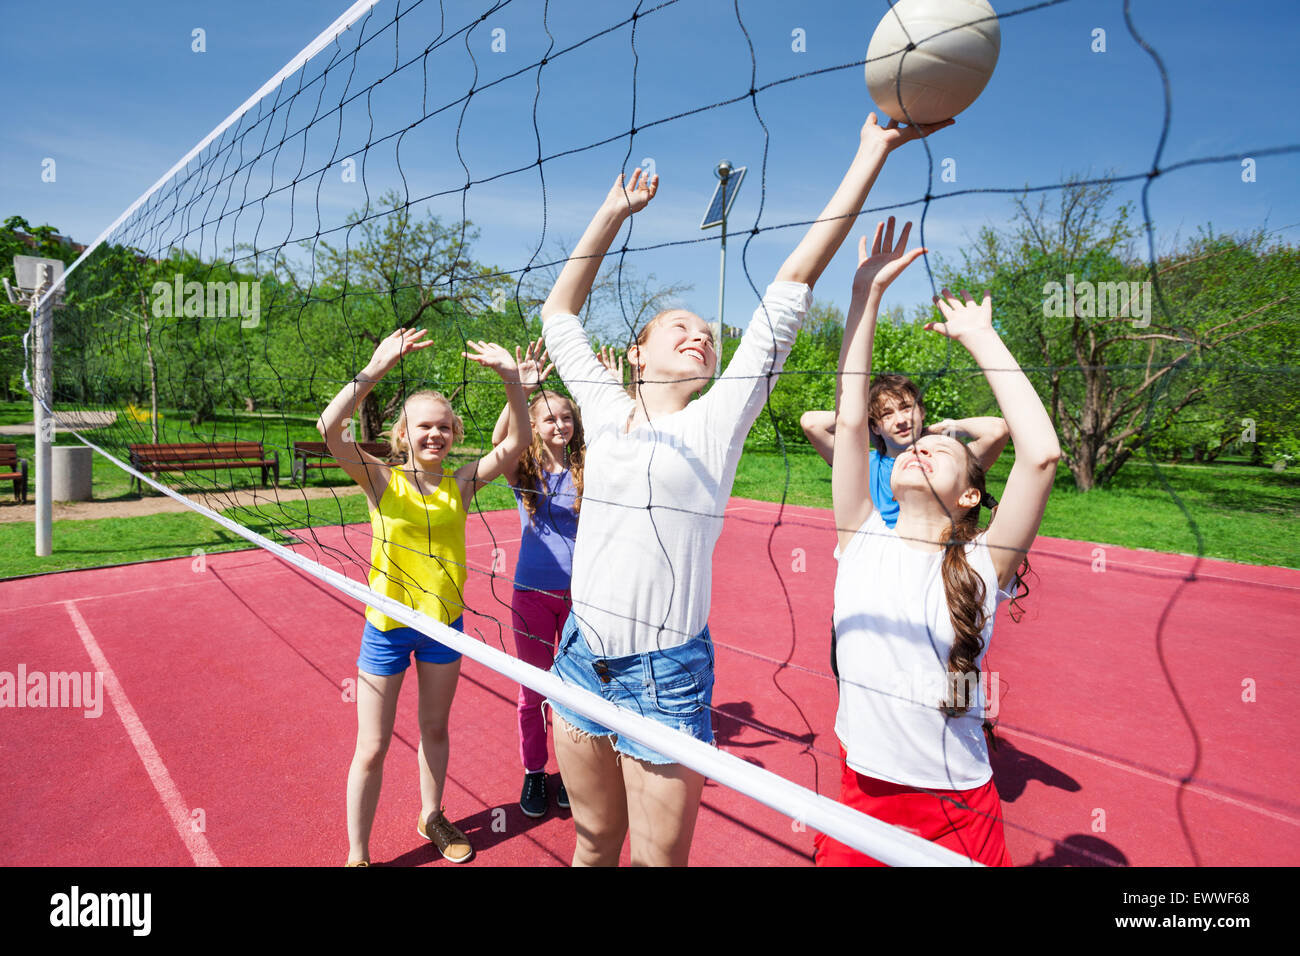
{"x":546,"y":544}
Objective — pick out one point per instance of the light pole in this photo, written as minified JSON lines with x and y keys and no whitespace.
{"x":729,"y":180}
{"x":35,"y":276}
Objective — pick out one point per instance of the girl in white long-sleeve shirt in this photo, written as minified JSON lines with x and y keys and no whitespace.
{"x":659,"y":472}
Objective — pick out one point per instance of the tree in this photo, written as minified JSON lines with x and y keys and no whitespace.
{"x":621,"y":300}
{"x":901,"y":346}
{"x":391,"y":270}
{"x":19,"y":238}
{"x":1109,"y":341}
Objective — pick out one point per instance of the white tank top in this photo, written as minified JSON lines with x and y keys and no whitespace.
{"x":893,"y":636}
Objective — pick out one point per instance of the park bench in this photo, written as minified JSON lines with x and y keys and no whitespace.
{"x":204,"y":456}
{"x":15,"y":468}
{"x":314,"y":454}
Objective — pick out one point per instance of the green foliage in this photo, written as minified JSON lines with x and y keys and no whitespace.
{"x":19,"y":238}
{"x":1183,"y":373}
{"x":903,"y":347}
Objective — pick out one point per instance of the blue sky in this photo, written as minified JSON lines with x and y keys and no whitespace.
{"x":120,"y":96}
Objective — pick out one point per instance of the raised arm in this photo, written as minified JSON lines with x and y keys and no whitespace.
{"x":988,"y":435}
{"x":1037,"y":449}
{"x":366,"y":470}
{"x":850,"y":478}
{"x":533,"y":371}
{"x":824,"y":237}
{"x":571,"y":289}
{"x":819,"y":427}
{"x":587,"y":379}
{"x":519,"y":431}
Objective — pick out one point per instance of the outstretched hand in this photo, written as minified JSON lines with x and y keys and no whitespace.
{"x":636,"y":196}
{"x":964,"y":318}
{"x":893,"y":135}
{"x":887,"y":259}
{"x":392,"y":348}
{"x":533,"y":365}
{"x":612,"y":359}
{"x":490,"y":355}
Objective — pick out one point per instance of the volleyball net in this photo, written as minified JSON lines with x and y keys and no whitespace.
{"x":352,"y":195}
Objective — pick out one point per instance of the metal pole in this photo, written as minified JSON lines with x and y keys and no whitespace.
{"x":44,"y":422}
{"x":722,"y":284}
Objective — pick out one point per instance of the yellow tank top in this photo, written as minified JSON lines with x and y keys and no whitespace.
{"x":417,"y":555}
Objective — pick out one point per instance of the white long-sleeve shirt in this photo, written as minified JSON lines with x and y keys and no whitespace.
{"x":654,"y":497}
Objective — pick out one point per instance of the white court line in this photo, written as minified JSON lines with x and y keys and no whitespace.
{"x":1161,"y":778}
{"x":196,"y":843}
{"x":490,"y":544}
{"x":793,"y":518}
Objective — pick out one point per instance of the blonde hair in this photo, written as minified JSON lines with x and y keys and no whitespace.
{"x":398,"y":429}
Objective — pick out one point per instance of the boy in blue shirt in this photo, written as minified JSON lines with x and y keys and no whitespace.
{"x":897,"y":414}
{"x":896,"y":421}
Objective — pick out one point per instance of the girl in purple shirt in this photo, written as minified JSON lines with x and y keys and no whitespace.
{"x":547,"y":483}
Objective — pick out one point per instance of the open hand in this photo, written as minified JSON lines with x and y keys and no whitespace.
{"x":887,"y":259}
{"x":400,"y":343}
{"x":893,"y":135}
{"x":533,"y":365}
{"x":964,"y":318}
{"x":636,"y":196}
{"x":947,"y":427}
{"x":612,"y":359}
{"x":490,"y":355}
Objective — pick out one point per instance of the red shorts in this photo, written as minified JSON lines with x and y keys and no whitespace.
{"x":968,"y":822}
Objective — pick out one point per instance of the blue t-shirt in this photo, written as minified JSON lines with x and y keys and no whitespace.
{"x":546,"y":545}
{"x":880,"y":468}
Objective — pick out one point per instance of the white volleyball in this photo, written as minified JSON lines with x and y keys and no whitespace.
{"x":956,"y":44}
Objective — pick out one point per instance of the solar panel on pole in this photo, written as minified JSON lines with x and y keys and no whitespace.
{"x":725,"y":191}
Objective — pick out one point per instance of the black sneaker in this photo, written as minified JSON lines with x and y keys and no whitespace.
{"x":533,"y":799}
{"x":562,"y":797}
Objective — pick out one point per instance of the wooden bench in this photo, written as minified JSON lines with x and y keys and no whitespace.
{"x":204,"y":456}
{"x":15,"y":468}
{"x":314,"y":454}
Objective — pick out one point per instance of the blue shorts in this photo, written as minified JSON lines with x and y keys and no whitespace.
{"x":385,"y":653}
{"x":673,"y":687}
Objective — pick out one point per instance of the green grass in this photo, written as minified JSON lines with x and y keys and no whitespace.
{"x":90,"y":543}
{"x":1243,"y":512}
{"x":97,"y":542}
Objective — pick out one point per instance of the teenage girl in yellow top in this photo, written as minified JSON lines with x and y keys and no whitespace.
{"x":417,"y":514}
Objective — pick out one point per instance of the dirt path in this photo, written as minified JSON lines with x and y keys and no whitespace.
{"x":81,"y":421}
{"x":11,"y":511}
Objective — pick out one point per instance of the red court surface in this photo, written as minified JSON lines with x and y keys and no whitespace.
{"x":1145,"y":710}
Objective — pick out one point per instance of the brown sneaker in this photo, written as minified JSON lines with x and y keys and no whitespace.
{"x":446,"y":836}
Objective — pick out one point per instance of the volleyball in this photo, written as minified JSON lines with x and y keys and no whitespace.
{"x":956,"y":44}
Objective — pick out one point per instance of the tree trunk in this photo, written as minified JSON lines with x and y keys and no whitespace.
{"x":372,"y":419}
{"x":153,"y":382}
{"x":1084,"y":464}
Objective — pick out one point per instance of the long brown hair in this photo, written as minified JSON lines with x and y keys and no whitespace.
{"x":530,"y":464}
{"x":965,"y":592}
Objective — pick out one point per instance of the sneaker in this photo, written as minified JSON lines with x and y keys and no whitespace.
{"x":562,"y":797}
{"x":446,"y":836}
{"x":533,"y":798}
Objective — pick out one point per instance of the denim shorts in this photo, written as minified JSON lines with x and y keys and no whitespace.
{"x":385,"y":653}
{"x":673,"y":687}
